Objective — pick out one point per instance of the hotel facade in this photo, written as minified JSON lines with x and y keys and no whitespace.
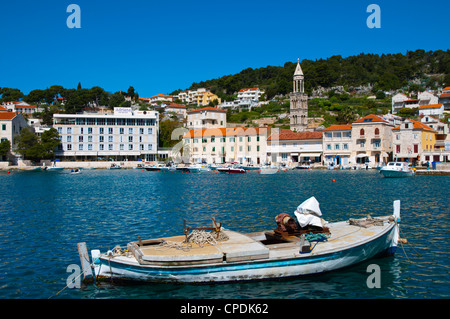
{"x":123,"y":135}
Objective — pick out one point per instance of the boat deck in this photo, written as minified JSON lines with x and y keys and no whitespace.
{"x":247,"y":247}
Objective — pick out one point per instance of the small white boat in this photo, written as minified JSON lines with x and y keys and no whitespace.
{"x":115,"y":166}
{"x":75,"y":171}
{"x":397,"y":169}
{"x":222,"y":255}
{"x":53,"y":168}
{"x":268,"y":170}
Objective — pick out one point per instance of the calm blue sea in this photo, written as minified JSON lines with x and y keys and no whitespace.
{"x":43,"y":215}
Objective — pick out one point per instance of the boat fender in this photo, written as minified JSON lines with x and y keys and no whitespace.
{"x":109,"y":253}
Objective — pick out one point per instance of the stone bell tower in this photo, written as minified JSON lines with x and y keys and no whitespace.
{"x":299,"y":102}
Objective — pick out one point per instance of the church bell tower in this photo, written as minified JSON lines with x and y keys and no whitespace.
{"x":299,"y":102}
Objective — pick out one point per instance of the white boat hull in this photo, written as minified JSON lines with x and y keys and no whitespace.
{"x":293,"y":264}
{"x":394,"y":173}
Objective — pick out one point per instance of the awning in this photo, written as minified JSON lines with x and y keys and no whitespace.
{"x":310,"y":154}
{"x":362,"y":155}
{"x":294,"y":154}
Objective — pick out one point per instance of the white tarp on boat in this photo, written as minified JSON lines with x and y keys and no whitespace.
{"x":308,"y":213}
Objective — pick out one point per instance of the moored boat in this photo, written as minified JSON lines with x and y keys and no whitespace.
{"x":397,"y":169}
{"x":268,"y":170}
{"x":115,"y":166}
{"x":223,"y":255}
{"x":30,"y":168}
{"x":53,"y":168}
{"x":231,"y":170}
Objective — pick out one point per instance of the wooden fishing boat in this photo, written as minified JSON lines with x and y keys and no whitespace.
{"x":223,"y":255}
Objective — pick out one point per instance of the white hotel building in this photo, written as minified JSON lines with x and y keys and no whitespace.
{"x":124,"y":135}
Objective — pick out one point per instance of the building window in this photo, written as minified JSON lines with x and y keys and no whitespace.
{"x":397,"y":137}
{"x":101,"y":130}
{"x":361,"y":132}
{"x":80,"y":139}
{"x":150,"y":147}
{"x":121,"y":130}
{"x":69,"y":138}
{"x":121,"y":147}
{"x":377,"y":143}
{"x":328,"y":146}
{"x":80,"y":147}
{"x":101,"y":147}
{"x":130,"y":147}
{"x":111,"y":147}
{"x":130,"y":130}
{"x":416,"y":148}
{"x":110,"y":139}
{"x":89,"y":147}
{"x":345,"y":146}
{"x":69,"y":130}
{"x":110,"y":130}
{"x":377,"y":131}
{"x":397,"y":148}
{"x":89,"y":130}
{"x":69,"y":147}
{"x":336,"y":147}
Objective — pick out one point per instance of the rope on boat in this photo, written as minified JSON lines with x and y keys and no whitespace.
{"x":317,"y":237}
{"x":199,"y":237}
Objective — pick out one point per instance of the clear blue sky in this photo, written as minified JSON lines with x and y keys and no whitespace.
{"x":160,"y":46}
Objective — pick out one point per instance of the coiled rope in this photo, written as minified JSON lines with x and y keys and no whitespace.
{"x":199,"y":237}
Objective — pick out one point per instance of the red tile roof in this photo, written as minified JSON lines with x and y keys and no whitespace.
{"x":445,"y":95}
{"x":418,"y":125}
{"x":7,"y":115}
{"x":250,"y":89}
{"x":175,"y":105}
{"x":430,"y":106}
{"x":340,"y":127}
{"x":371,"y":118}
{"x":208,"y":108}
{"x":289,"y":135}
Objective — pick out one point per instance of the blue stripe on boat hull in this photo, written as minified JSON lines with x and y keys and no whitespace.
{"x":261,"y":269}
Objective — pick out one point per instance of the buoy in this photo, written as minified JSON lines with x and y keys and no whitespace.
{"x":334,"y":180}
{"x":9,"y":172}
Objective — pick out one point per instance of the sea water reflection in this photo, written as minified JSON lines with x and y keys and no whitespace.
{"x":44,"y":215}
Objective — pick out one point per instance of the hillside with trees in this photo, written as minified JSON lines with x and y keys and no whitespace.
{"x":386,"y":72}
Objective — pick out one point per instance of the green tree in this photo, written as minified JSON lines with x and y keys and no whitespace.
{"x":5,"y":147}
{"x":28,"y":145}
{"x":9,"y":94}
{"x":116,"y":99}
{"x":49,"y":141}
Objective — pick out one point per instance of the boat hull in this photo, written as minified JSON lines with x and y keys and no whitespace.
{"x":231,"y":170}
{"x":302,"y":264}
{"x":395,"y":174}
